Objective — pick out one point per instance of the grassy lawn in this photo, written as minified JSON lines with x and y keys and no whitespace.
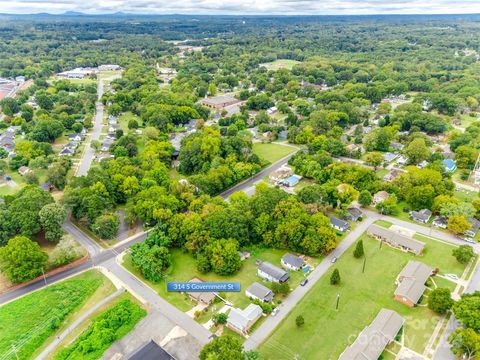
{"x":465,"y":195}
{"x":183,"y":268}
{"x":272,"y":152}
{"x":361,"y":298}
{"x":381,"y":173}
{"x":280,"y":64}
{"x":29,"y":321}
{"x":384,"y":223}
{"x":125,"y":118}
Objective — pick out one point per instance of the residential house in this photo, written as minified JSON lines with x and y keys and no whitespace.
{"x":292,"y":262}
{"x":47,"y":186}
{"x":66,"y":151}
{"x":259,"y":292}
{"x":421,"y":216}
{"x":395,"y":239}
{"x":201,"y":297}
{"x":402,"y":160}
{"x":241,"y":321}
{"x":388,"y":157}
{"x":380,"y":197}
{"x":280,"y":174}
{"x":75,"y":137}
{"x":150,"y":351}
{"x":272,"y":110}
{"x":411,"y":283}
{"x":338,"y":224}
{"x":353,"y":214}
{"x":113,"y":127}
{"x":392,"y":175}
{"x":475,"y":226}
{"x":23,"y":170}
{"x":107,"y":142}
{"x":423,"y":164}
{"x":271,"y":272}
{"x":373,"y":340}
{"x":291,"y":181}
{"x":450,"y":165}
{"x":440,"y":221}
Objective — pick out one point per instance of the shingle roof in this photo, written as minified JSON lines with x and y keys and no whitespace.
{"x":410,"y":289}
{"x":151,"y":351}
{"x":240,"y":319}
{"x":339,"y":223}
{"x":273,"y":271}
{"x":412,"y":280}
{"x":371,"y":342}
{"x":396,"y":239}
{"x":260,"y":291}
{"x":293,"y":260}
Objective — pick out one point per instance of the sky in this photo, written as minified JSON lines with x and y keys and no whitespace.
{"x":240,"y":7}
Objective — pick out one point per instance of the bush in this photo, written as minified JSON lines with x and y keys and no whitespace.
{"x":106,"y":226}
{"x":300,"y":321}
{"x":220,"y":318}
{"x":440,"y":300}
{"x":359,"y":252}
{"x":463,"y":253}
{"x":66,"y":251}
{"x":335,"y":277}
{"x":283,"y":288}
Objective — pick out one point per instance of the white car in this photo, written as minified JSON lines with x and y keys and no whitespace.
{"x":275,"y":311}
{"x":452,"y":276}
{"x":469,"y":240}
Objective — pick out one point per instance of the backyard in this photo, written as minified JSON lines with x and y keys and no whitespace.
{"x":327,"y":331}
{"x":29,"y":322}
{"x":184,"y":268}
{"x":272,"y":152}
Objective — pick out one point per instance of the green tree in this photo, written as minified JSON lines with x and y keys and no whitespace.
{"x":458,"y":224}
{"x":220,"y":318}
{"x":335,"y":277}
{"x":440,"y":301}
{"x":52,"y":216}
{"x":374,"y":159}
{"x":224,"y":347}
{"x":106,"y":226}
{"x":224,"y":257}
{"x":22,"y":259}
{"x":417,"y":151}
{"x":467,"y":310}
{"x":281,"y":288}
{"x":299,"y":321}
{"x":465,"y":343}
{"x":365,"y":198}
{"x":150,"y":261}
{"x":463,"y":254}
{"x":358,"y":252}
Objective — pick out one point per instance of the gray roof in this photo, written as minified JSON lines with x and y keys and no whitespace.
{"x":371,"y":342}
{"x":219,"y":100}
{"x":412,"y":280}
{"x":150,"y":351}
{"x":389,"y":157}
{"x":410,"y":289}
{"x":293,"y":260}
{"x":396,"y":239}
{"x":440,"y":220}
{"x":339,"y":223}
{"x":240,"y":319}
{"x":475,"y":226}
{"x":274,"y":271}
{"x":260,"y":291}
{"x":354,"y":212}
{"x":423,"y":214}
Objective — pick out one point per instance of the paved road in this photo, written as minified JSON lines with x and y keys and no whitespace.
{"x":247,"y":185}
{"x":76,"y":323}
{"x":89,"y":153}
{"x":91,"y":245}
{"x":296,"y":295}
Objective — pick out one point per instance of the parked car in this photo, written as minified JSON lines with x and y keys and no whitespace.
{"x":275,"y":311}
{"x":469,"y":240}
{"x":304,"y":282}
{"x":452,"y":276}
{"x":334,"y":259}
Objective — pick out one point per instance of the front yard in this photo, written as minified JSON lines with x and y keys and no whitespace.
{"x":327,"y":331}
{"x":272,"y":152}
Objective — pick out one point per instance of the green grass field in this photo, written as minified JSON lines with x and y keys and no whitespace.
{"x":125,"y":118}
{"x":280,"y":64}
{"x":327,"y":331}
{"x":27,"y":322}
{"x":183,"y":268}
{"x":272,"y":152}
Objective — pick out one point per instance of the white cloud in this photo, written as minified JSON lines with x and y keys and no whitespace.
{"x":282,"y":7}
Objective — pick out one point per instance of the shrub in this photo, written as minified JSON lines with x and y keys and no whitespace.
{"x":335,"y":277}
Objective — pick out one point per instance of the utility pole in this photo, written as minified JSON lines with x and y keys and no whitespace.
{"x":338,"y":300}
{"x":44,"y":278}
{"x":364,"y":263}
{"x":381,"y":243}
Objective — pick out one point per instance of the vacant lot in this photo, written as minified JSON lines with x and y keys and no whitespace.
{"x":27,"y":322}
{"x":327,"y":331}
{"x":272,"y":152}
{"x":184,"y":268}
{"x":280,"y":64}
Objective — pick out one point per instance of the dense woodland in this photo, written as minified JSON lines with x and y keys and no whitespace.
{"x":337,"y":100}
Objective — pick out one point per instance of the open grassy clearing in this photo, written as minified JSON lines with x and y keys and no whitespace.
{"x":29,"y":321}
{"x":327,"y":332}
{"x":124,"y":119}
{"x":272,"y":152}
{"x":280,"y":64}
{"x":184,"y":268}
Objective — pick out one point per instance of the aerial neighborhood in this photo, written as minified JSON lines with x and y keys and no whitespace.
{"x":239,"y":187}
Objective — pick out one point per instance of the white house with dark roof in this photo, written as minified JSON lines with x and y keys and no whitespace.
{"x":475,"y":226}
{"x":292,"y":262}
{"x":339,"y":224}
{"x":440,"y":221}
{"x":271,"y":272}
{"x":421,"y":216}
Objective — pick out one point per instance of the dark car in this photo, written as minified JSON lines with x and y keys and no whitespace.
{"x":304,"y":282}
